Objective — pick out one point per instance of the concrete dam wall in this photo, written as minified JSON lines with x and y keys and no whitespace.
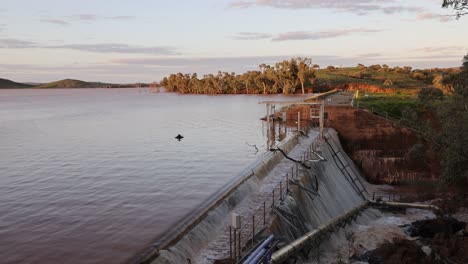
{"x":329,"y":186}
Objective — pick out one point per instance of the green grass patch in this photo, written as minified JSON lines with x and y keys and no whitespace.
{"x":391,"y":104}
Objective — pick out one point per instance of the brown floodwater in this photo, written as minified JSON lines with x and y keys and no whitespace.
{"x":96,"y":175}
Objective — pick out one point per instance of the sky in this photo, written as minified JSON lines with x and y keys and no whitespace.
{"x":124,"y":41}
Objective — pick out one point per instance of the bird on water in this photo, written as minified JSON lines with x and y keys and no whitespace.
{"x":179,"y":137}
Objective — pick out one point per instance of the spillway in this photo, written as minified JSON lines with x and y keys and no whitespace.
{"x":273,"y":196}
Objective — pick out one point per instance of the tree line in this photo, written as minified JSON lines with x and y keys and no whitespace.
{"x":286,"y":77}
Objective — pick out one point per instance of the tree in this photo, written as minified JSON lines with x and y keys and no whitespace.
{"x":418,"y":75}
{"x":361,"y":66}
{"x":385,"y":67}
{"x":375,"y":67}
{"x":305,"y":72}
{"x":453,"y":116}
{"x":459,"y":6}
{"x":444,"y":83}
{"x":388,"y":82}
{"x":430,"y":94}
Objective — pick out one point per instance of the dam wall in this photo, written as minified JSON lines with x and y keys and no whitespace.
{"x":321,"y":192}
{"x":330,"y":189}
{"x":188,"y":237}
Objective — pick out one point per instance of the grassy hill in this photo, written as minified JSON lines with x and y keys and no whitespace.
{"x":7,"y":84}
{"x":397,"y":80}
{"x":70,"y":83}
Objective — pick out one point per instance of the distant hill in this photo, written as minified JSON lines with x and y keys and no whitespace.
{"x":7,"y":84}
{"x":70,"y":83}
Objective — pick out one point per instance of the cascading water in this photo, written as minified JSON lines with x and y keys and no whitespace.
{"x":331,"y":188}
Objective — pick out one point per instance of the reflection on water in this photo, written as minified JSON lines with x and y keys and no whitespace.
{"x":95,"y":175}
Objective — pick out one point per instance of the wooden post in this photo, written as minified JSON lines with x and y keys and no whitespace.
{"x":264,"y":213}
{"x":287,"y":183}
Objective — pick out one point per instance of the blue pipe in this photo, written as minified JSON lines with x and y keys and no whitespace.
{"x":258,"y":256}
{"x":258,"y":249}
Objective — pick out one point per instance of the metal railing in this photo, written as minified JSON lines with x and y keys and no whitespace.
{"x":384,"y":197}
{"x":244,"y":238}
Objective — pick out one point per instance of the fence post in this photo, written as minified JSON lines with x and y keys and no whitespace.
{"x":239,"y":245}
{"x":298,"y":121}
{"x":230,"y":242}
{"x":253,"y":229}
{"x":281,"y":190}
{"x":235,"y":244}
{"x":264,"y":213}
{"x":287,"y":183}
{"x":273,"y":203}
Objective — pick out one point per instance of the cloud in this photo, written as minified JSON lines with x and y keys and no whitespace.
{"x":303,"y":35}
{"x":67,"y":20}
{"x":94,"y":17}
{"x":306,"y":35}
{"x":432,"y":16}
{"x":55,"y":21}
{"x":118,"y":48}
{"x":398,"y":9}
{"x":11,"y":43}
{"x":252,"y":36}
{"x":446,"y":49}
{"x":121,"y":17}
{"x":370,"y":55}
{"x":359,"y":7}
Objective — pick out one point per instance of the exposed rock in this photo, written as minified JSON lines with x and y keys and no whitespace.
{"x":429,"y":228}
{"x":399,"y":251}
{"x":427,"y":250}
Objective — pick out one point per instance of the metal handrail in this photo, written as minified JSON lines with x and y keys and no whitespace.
{"x":247,"y":232}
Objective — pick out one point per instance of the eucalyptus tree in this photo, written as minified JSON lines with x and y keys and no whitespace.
{"x":305,"y":72}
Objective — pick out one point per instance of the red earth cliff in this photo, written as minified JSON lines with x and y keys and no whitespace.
{"x":380,"y":147}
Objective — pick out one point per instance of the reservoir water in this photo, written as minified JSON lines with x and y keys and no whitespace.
{"x":96,"y":175}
